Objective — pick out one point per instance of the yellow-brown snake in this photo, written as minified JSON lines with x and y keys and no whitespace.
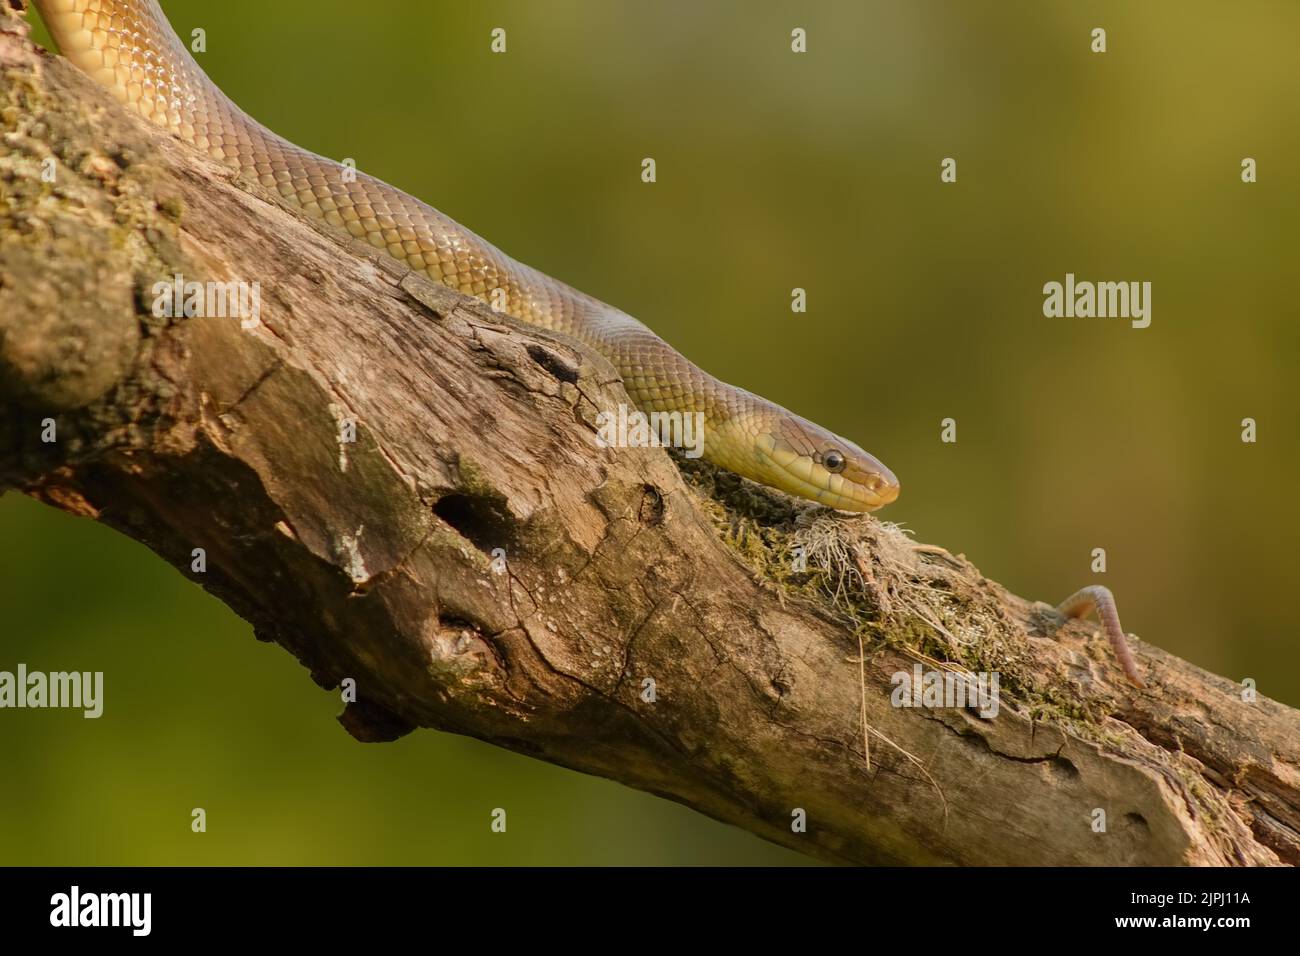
{"x":128,"y":46}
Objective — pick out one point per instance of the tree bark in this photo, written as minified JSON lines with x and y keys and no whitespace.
{"x":476,"y":563}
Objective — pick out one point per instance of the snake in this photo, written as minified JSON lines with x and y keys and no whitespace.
{"x":129,"y":47}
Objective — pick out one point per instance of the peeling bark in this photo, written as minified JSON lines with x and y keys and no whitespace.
{"x":378,"y":559}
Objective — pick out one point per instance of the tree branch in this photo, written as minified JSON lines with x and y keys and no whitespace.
{"x":376,"y":559}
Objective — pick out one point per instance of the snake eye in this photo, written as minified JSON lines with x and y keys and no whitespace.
{"x":833,"y":461}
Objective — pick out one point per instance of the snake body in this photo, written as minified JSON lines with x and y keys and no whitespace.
{"x":129,"y":47}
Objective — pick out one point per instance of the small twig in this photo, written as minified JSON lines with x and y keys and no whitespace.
{"x":862,"y":681}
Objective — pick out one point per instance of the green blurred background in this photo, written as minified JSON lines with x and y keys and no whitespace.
{"x":775,"y":170}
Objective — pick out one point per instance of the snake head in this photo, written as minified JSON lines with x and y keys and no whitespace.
{"x":804,"y":459}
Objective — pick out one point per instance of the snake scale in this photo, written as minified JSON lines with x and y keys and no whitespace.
{"x":129,"y":47}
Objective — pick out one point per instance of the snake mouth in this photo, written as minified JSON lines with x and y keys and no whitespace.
{"x":863,"y":501}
